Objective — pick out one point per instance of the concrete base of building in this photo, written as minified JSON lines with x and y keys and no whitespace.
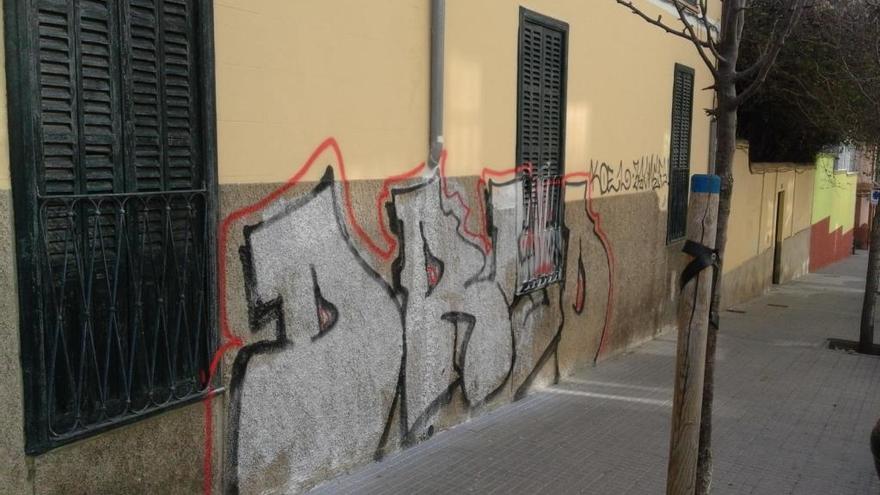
{"x":755,"y":276}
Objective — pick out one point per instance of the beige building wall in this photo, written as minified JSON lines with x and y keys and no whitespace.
{"x":292,"y":73}
{"x":752,"y":231}
{"x":620,"y":74}
{"x":281,"y":90}
{"x":746,"y":206}
{"x":803,"y":200}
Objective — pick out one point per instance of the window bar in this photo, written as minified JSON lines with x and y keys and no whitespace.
{"x":123,"y":313}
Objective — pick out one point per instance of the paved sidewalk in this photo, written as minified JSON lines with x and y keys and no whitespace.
{"x":791,"y":416}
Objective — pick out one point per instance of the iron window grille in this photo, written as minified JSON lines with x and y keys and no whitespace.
{"x":123,"y":305}
{"x":543,"y":54}
{"x":680,"y":152}
{"x":113,"y":146}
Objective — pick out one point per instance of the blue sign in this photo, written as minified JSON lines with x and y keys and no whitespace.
{"x":875,"y":197}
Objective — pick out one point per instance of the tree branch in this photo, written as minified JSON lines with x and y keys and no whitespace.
{"x":698,"y":43}
{"x":687,"y":32}
{"x":766,"y":62}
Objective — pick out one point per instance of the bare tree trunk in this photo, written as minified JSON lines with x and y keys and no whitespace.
{"x":872,"y":281}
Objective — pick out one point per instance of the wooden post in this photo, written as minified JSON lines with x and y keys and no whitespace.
{"x":693,"y":328}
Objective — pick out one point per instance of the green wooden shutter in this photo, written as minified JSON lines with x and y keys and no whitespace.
{"x":120,"y":252}
{"x":79,"y":131}
{"x":541,"y":145}
{"x":680,"y":152}
{"x":79,"y":127}
{"x":551,"y":103}
{"x":80,"y":75}
{"x":541,"y":98}
{"x":160,"y":79}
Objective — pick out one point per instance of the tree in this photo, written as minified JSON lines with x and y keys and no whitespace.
{"x":856,"y":40}
{"x":719,"y":48}
{"x":826,"y":92}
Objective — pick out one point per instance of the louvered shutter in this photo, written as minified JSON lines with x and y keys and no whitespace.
{"x":80,"y":75}
{"x":162,"y":115}
{"x":121,"y":248}
{"x":540,"y":145}
{"x":80,"y":130}
{"x":680,"y":151}
{"x":541,"y":105}
{"x":531,"y":56}
{"x":79,"y":93}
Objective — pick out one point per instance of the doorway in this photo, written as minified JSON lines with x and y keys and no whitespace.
{"x":777,"y":250}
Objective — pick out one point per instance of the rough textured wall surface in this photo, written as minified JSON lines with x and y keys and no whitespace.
{"x":752,"y":278}
{"x":795,"y":256}
{"x":748,"y":280}
{"x":13,"y":474}
{"x":162,"y":454}
{"x":362,"y":317}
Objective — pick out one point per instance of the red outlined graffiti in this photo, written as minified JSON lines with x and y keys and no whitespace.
{"x":229,"y":340}
{"x":573,"y":177}
{"x":385,"y":248}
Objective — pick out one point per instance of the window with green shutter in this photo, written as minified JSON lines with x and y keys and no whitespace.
{"x":680,"y":152}
{"x":113,"y":179}
{"x":543,"y":54}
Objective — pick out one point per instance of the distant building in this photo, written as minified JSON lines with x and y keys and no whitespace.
{"x":770,"y":227}
{"x":834,"y":204}
{"x":866,"y":159}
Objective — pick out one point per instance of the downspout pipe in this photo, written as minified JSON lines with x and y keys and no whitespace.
{"x":435,"y":124}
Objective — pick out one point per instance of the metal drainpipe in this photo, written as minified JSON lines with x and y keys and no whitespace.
{"x":435,"y":124}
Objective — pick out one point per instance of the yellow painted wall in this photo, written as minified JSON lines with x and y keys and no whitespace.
{"x":834,"y":195}
{"x":620,"y":74}
{"x":293,"y":72}
{"x":290,"y":73}
{"x":746,"y":209}
{"x":768,"y":200}
{"x":752,"y":227}
{"x":803,"y":198}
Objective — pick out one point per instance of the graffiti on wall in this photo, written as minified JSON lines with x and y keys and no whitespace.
{"x":648,"y":173}
{"x":364,"y":337}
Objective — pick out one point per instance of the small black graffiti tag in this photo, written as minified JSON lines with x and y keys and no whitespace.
{"x":648,"y":173}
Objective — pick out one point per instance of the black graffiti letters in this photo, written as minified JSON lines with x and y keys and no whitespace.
{"x":648,"y":173}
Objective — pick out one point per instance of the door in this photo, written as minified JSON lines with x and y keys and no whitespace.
{"x":777,"y":250}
